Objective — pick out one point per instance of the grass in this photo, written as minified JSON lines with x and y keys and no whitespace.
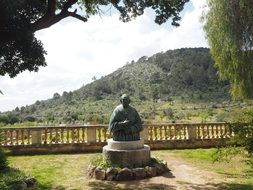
{"x":55,"y":171}
{"x":69,"y":171}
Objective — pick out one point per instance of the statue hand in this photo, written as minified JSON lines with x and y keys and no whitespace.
{"x":126,"y":122}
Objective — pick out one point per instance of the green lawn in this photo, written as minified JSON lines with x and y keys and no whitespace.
{"x":55,"y":171}
{"x":69,"y":171}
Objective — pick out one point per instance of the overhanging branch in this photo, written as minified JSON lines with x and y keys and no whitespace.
{"x":50,"y":18}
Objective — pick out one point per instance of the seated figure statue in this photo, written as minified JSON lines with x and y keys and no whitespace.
{"x":125,"y":122}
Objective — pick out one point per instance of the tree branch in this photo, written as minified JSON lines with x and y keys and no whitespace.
{"x":77,"y":16}
{"x":51,"y":18}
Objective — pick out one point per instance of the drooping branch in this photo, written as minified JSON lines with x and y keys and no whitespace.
{"x":50,"y":18}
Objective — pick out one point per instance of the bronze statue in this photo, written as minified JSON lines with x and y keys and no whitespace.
{"x":125,"y":122}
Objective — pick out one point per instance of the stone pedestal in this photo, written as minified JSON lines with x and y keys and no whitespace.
{"x":127,"y":153}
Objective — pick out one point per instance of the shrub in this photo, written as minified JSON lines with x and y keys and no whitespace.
{"x":3,"y":160}
{"x":243,"y":129}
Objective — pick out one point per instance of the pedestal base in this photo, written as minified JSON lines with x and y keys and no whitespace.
{"x":126,"y":153}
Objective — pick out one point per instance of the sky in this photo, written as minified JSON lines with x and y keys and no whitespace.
{"x":77,"y":51}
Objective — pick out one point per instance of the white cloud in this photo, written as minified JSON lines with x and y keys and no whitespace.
{"x":78,"y":51}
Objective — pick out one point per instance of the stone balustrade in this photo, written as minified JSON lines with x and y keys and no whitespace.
{"x":91,"y":138}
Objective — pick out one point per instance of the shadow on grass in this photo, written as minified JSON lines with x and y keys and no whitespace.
{"x":12,"y":178}
{"x":247,"y":174}
{"x":143,"y":184}
{"x":48,"y":186}
{"x":131,"y":185}
{"x":217,"y":186}
{"x":147,"y":184}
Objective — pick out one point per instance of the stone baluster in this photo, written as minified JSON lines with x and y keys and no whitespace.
{"x":99,"y":134}
{"x":160,"y":133}
{"x":16,"y":137}
{"x":11,"y":137}
{"x":212,"y":131}
{"x":56,"y":136}
{"x":78,"y":135}
{"x":67,"y":135}
{"x":72,"y":135}
{"x":22,"y":136}
{"x":208,"y":131}
{"x":5,"y":137}
{"x":176,"y":131}
{"x":203,"y":131}
{"x":62,"y":135}
{"x":45,"y":137}
{"x":50,"y":136}
{"x":165,"y":132}
{"x":170,"y":132}
{"x":155,"y":133}
{"x":29,"y":137}
{"x":179,"y":129}
{"x":221,"y":131}
{"x":151,"y":133}
{"x":83,"y":135}
{"x":185,"y":132}
{"x":105,"y":134}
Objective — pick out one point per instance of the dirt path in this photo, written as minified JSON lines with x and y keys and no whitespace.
{"x":183,"y":176}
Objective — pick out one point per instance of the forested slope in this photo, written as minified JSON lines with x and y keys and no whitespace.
{"x":186,"y":73}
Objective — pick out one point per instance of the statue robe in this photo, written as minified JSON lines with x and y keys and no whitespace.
{"x":130,"y":132}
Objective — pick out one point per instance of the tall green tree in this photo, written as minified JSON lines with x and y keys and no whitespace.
{"x":229,"y":30}
{"x":20,"y":19}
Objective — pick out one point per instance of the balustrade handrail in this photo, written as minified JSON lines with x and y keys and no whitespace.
{"x":58,"y":127}
{"x":185,"y":124}
{"x":104,"y":125}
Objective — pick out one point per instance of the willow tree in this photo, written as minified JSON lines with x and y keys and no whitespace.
{"x":20,"y":19}
{"x":229,"y":30}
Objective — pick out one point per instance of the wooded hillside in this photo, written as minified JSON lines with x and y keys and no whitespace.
{"x":187,"y":74}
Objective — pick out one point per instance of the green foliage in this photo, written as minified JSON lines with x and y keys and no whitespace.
{"x":226,"y":154}
{"x":98,"y":161}
{"x":229,"y":30}
{"x":12,"y":179}
{"x":154,"y":160}
{"x":243,"y":129}
{"x":3,"y":158}
{"x":19,"y":20}
{"x":19,"y":49}
{"x":9,"y":118}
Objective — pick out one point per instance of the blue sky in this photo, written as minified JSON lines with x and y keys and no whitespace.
{"x":77,"y":51}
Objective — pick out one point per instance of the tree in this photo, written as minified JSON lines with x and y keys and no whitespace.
{"x":19,"y":20}
{"x":56,"y":96}
{"x":229,"y":30}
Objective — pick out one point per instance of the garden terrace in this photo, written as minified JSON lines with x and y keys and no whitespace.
{"x":91,"y":138}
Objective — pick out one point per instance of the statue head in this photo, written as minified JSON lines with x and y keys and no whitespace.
{"x":125,"y":100}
